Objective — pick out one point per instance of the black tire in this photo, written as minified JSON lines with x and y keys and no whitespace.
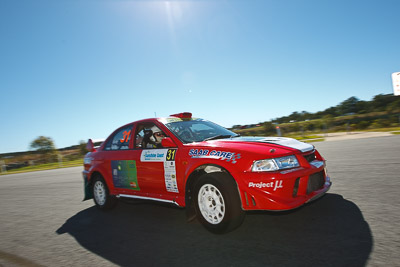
{"x":101,"y":194}
{"x":217,"y":203}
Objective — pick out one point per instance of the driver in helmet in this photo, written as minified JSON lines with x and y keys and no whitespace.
{"x":158,"y":136}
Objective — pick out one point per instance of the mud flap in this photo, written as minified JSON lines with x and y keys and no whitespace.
{"x":190,"y":210}
{"x":87,"y":189}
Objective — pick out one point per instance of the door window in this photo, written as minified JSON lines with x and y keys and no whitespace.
{"x":149,"y":136}
{"x":120,"y":140}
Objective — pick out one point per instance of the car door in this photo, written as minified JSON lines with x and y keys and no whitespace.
{"x":119,"y":161}
{"x":156,"y":170}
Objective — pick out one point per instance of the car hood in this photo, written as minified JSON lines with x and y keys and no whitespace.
{"x":285,"y":142}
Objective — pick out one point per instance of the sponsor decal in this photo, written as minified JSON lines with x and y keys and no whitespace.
{"x":154,"y":155}
{"x":124,"y":174}
{"x":170,"y":171}
{"x":274,"y":185}
{"x":167,"y":157}
{"x":214,"y":154}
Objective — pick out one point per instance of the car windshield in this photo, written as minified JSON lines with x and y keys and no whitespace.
{"x":198,"y":130}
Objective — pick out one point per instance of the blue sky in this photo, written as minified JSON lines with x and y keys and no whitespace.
{"x":74,"y":70}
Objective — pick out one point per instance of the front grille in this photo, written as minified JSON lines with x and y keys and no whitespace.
{"x":310,"y":157}
{"x":315,"y":181}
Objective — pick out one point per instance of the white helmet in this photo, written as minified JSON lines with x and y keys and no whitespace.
{"x":157,"y":134}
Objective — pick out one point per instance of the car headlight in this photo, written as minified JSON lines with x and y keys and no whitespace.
{"x":87,"y":161}
{"x":267,"y":165}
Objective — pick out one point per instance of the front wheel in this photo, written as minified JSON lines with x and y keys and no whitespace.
{"x":218,"y":205}
{"x":101,"y":195}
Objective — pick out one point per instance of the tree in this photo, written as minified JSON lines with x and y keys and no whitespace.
{"x":348,"y":106}
{"x":330,"y":111}
{"x":380,"y":102}
{"x":393,"y":107}
{"x":82,"y":148}
{"x":328,"y":121}
{"x":295,"y":116}
{"x":45,"y":146}
{"x":269,"y":128}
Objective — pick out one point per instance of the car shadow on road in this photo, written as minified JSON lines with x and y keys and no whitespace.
{"x":330,"y":231}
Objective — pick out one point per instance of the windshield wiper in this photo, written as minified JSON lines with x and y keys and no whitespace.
{"x":220,"y":136}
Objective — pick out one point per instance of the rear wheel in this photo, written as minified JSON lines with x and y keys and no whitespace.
{"x":101,"y":194}
{"x":217,"y":203}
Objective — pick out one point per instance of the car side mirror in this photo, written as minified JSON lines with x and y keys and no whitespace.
{"x":90,"y":146}
{"x":167,"y":142}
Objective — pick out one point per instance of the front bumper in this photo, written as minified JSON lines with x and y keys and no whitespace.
{"x":285,"y":190}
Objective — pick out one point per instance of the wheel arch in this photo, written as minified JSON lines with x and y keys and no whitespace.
{"x":194,"y":177}
{"x":88,"y":183}
{"x":94,"y":174}
{"x":102,"y":191}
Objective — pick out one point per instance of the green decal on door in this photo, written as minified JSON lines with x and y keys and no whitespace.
{"x":124,"y":174}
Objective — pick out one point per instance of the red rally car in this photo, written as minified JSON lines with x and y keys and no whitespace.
{"x":213,"y":172}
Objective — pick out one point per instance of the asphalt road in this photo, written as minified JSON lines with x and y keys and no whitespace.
{"x":44,"y":222}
